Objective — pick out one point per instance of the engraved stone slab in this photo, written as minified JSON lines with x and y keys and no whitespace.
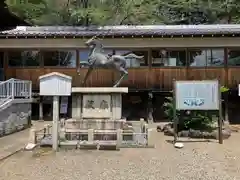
{"x":96,"y":106}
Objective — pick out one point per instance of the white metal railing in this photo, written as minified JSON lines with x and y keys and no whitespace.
{"x":15,"y":89}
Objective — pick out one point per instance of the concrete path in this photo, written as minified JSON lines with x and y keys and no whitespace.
{"x":13,"y":143}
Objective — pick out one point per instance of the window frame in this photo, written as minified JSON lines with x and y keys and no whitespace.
{"x":170,"y":49}
{"x":59,"y":50}
{"x":205,"y":66}
{"x":86,"y":49}
{"x":135,"y":49}
{"x":120,"y":49}
{"x":22,"y":64}
{"x":227,"y":53}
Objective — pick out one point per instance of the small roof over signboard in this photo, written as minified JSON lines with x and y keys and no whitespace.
{"x":55,"y":74}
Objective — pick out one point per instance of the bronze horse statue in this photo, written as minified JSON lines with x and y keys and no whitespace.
{"x":97,"y":58}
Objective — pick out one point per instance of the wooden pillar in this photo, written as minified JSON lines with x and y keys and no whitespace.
{"x":77,"y":60}
{"x":187,"y":64}
{"x":78,"y":68}
{"x":149,"y":60}
{"x":5,"y":65}
{"x":113,"y":74}
{"x":149,"y":84}
{"x":175,"y":118}
{"x":225,"y":96}
{"x":150,"y":108}
{"x":55,"y":122}
{"x":226,"y":117}
{"x":220,"y":120}
{"x":41,"y":64}
{"x":226,"y":66}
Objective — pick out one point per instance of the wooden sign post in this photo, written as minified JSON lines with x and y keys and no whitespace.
{"x":56,"y":85}
{"x":55,"y":122}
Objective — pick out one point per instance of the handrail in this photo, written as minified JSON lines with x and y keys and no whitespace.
{"x":9,"y":80}
{"x":15,"y":89}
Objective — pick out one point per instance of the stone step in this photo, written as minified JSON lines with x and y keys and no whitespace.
{"x":85,"y":131}
{"x":101,"y":145}
{"x":95,"y":124}
{"x":105,"y":135}
{"x":97,"y":131}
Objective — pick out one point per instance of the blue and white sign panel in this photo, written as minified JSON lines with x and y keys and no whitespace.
{"x":197,"y":95}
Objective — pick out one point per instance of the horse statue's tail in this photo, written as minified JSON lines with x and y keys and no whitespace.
{"x":132,"y":55}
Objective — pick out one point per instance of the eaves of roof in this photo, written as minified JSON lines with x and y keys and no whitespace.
{"x":123,"y":31}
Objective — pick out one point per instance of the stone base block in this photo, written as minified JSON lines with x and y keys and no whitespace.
{"x":105,"y":137}
{"x":108,"y":147}
{"x":95,"y":124}
{"x":72,"y":124}
{"x":88,"y":146}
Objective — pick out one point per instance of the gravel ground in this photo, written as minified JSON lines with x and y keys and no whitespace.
{"x":197,"y":160}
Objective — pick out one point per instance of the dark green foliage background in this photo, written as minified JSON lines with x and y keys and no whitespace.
{"x":134,"y":12}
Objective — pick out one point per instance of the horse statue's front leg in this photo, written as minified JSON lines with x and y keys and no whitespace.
{"x":90,"y":69}
{"x":87,"y":75}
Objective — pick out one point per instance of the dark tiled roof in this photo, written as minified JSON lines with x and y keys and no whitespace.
{"x":150,"y":30}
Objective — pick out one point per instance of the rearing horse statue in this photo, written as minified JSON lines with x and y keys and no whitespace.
{"x":97,"y":58}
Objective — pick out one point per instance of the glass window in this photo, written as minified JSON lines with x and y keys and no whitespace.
{"x":83,"y":56}
{"x":131,"y":61}
{"x":166,"y":57}
{"x":134,"y":62}
{"x":206,"y":57}
{"x":234,"y":57}
{"x":60,"y":58}
{"x":23,"y":58}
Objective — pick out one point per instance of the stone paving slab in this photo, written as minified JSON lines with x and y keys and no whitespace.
{"x":15,"y":142}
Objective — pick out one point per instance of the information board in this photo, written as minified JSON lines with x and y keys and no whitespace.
{"x":64,"y":105}
{"x":197,"y":95}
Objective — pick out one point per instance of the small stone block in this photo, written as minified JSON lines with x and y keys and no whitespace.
{"x":109,"y":147}
{"x":178,"y":145}
{"x":88,"y":146}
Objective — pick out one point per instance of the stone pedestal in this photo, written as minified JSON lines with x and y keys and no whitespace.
{"x":98,"y":110}
{"x":97,"y":120}
{"x":97,"y":103}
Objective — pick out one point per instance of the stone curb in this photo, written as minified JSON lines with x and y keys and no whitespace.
{"x":11,"y":154}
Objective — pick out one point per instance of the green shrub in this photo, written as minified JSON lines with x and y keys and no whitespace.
{"x":194,"y":119}
{"x":198,"y":120}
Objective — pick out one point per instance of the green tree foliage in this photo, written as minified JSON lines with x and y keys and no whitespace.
{"x":133,"y":12}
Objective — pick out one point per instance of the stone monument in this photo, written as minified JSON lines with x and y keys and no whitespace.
{"x":97,"y":111}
